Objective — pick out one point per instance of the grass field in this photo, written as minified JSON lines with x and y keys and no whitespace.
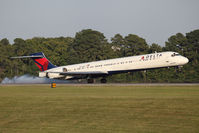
{"x":99,"y":109}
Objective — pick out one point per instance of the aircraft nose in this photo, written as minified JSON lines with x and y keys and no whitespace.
{"x":185,"y":60}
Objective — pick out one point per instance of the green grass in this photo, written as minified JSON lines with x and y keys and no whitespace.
{"x":99,"y":109}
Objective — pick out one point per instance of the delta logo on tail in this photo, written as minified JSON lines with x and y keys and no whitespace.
{"x":42,"y":62}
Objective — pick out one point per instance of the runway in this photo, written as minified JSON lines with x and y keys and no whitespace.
{"x":109,"y":84}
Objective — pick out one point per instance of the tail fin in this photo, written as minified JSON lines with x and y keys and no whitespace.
{"x":40,"y":60}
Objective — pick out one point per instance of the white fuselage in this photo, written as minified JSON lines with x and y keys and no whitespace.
{"x":125,"y":64}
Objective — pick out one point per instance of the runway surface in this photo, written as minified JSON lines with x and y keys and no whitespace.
{"x":110,"y":84}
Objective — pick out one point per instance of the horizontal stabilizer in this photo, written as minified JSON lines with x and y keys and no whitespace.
{"x":40,"y":60}
{"x":30,"y":56}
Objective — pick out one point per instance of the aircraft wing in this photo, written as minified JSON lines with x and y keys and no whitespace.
{"x":82,"y":73}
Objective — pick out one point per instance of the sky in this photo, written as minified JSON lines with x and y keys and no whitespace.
{"x":153,"y":20}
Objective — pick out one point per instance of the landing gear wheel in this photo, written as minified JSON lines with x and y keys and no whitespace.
{"x":178,"y":69}
{"x":103,"y":80}
{"x":90,"y":81}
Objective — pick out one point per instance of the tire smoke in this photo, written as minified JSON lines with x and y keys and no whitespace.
{"x":29,"y":79}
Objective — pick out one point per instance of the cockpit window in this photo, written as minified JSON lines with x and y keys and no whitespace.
{"x":175,"y":54}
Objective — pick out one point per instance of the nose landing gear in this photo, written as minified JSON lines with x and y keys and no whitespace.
{"x":178,"y":68}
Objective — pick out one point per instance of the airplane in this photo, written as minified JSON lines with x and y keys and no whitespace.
{"x":103,"y":68}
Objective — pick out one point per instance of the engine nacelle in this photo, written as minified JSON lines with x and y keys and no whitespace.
{"x":42,"y":74}
{"x":50,"y":75}
{"x":69,"y":77}
{"x":53,"y":75}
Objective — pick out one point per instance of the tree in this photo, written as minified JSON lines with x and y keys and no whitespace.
{"x":192,"y":54}
{"x":177,"y":43}
{"x":155,"y":48}
{"x":187,"y":46}
{"x":5,"y":62}
{"x":134,"y":45}
{"x":5,"y":41}
{"x":89,"y":45}
{"x":118,"y":44}
{"x":193,"y":45}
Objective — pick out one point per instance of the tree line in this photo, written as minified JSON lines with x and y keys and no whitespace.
{"x":91,"y":45}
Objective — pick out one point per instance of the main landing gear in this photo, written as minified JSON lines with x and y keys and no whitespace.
{"x":103,"y":80}
{"x":90,"y":81}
